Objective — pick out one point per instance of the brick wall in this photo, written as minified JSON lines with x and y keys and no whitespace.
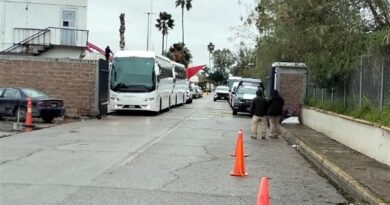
{"x":71,"y":80}
{"x":292,"y":86}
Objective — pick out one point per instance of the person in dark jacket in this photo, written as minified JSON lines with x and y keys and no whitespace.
{"x":108,"y":52}
{"x":259,"y":111}
{"x":274,"y":112}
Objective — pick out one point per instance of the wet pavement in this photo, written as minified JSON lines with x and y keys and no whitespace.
{"x":178,"y":157}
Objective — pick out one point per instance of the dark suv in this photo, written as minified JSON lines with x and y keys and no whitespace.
{"x":243,"y":99}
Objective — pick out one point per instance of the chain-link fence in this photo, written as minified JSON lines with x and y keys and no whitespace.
{"x":368,"y":83}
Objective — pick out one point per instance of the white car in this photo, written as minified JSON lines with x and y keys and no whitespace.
{"x":221,"y":93}
{"x":198,"y":93}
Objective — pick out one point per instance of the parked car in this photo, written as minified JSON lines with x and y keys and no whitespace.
{"x":232,"y":92}
{"x":189,"y":94}
{"x":250,"y":82}
{"x":243,"y":99}
{"x":14,"y":101}
{"x":198,"y":93}
{"x":221,"y":93}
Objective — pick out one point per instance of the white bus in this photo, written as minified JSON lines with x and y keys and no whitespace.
{"x":179,"y":92}
{"x":140,"y":80}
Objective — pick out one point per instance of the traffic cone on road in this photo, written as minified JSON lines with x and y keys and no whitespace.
{"x":239,"y":137}
{"x":29,"y":113}
{"x":263,"y":196}
{"x":239,"y":163}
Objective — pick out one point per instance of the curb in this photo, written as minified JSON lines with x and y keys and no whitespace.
{"x":337,"y":175}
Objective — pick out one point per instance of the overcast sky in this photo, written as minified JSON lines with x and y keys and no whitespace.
{"x":207,"y":21}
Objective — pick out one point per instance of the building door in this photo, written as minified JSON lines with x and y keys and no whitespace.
{"x":102,"y":87}
{"x":68,"y":32}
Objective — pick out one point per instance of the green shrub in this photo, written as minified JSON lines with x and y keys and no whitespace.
{"x":366,"y":112}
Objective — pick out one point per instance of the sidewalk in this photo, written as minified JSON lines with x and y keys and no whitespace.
{"x":362,"y":177}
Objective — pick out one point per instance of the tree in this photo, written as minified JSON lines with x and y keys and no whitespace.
{"x":246,"y":62}
{"x":326,"y":35}
{"x":178,"y":52}
{"x":223,"y":60}
{"x":183,"y":4}
{"x":164,"y":23}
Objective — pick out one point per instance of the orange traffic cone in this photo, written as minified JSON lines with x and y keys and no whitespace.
{"x":28,"y":114}
{"x":263,"y":196}
{"x":239,"y":164}
{"x":239,"y":136}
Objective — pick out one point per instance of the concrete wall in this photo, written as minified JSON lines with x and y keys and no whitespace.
{"x":38,"y":14}
{"x":71,"y":80}
{"x":362,"y":136}
{"x":63,"y":52}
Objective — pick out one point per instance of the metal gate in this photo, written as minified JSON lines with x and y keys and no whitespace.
{"x":102,"y":88}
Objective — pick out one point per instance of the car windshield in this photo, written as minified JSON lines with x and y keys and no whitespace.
{"x":222,"y":89}
{"x":247,"y":90}
{"x":33,"y":93}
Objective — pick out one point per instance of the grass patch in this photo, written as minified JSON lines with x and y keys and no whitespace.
{"x":366,"y":112}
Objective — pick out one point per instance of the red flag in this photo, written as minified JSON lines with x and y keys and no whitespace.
{"x":193,"y":70}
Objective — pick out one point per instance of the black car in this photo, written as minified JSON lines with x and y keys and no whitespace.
{"x":243,"y":99}
{"x":14,"y":101}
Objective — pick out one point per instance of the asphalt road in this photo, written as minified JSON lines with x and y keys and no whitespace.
{"x":178,"y":157}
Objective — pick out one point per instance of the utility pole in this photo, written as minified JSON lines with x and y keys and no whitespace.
{"x":148,"y":30}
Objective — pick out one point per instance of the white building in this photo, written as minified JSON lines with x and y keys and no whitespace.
{"x":47,"y":28}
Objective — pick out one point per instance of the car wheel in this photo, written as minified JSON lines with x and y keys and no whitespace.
{"x":234,"y":112}
{"x":215,"y":99}
{"x":47,"y":119}
{"x":22,"y":113}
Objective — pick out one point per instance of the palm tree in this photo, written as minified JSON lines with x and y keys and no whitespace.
{"x":178,"y":52}
{"x":164,"y":23}
{"x":187,"y":4}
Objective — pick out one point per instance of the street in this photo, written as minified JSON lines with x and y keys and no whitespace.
{"x":178,"y":157}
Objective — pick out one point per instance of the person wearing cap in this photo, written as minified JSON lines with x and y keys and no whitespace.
{"x":274,"y":112}
{"x":259,"y":111}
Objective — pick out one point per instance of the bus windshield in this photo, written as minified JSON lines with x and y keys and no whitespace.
{"x":133,"y":74}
